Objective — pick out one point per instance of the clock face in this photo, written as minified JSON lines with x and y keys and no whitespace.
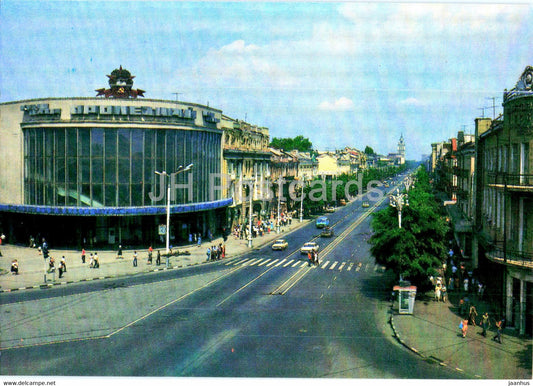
{"x":528,"y":79}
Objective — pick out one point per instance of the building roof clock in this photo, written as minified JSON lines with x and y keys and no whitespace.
{"x":120,"y":83}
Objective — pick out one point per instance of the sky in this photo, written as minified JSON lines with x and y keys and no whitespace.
{"x":339,"y":73}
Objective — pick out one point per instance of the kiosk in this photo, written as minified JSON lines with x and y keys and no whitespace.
{"x":406,"y":298}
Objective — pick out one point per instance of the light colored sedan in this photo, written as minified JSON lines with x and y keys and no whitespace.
{"x":280,"y":245}
{"x":309,"y":247}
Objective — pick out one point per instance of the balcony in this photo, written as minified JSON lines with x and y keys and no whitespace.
{"x":516,"y":182}
{"x":515,"y":258}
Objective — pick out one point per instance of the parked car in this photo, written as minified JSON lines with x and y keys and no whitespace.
{"x":329,"y":209}
{"x":366,"y":204}
{"x":280,"y":245}
{"x":342,"y":202}
{"x":308,"y":247}
{"x":327,"y":232}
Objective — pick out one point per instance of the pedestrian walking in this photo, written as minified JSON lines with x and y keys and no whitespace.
{"x":208,"y":253}
{"x":199,"y":240}
{"x":15,"y":267}
{"x":472,"y":315}
{"x":499,"y":327}
{"x":464,"y":327}
{"x":62,"y":267}
{"x":96,"y":260}
{"x":119,"y":252}
{"x":158,"y":258}
{"x":83,"y":256}
{"x":134,"y":258}
{"x":485,"y":323}
{"x":310,"y":258}
{"x":150,"y":255}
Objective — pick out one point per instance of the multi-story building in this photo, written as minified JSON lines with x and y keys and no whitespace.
{"x":246,"y":158}
{"x":82,"y":170}
{"x":504,"y":202}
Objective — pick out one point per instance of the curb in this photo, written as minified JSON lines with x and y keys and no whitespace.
{"x":50,"y":285}
{"x":417,"y":352}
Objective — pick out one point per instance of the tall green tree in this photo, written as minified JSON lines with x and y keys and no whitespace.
{"x":417,"y":250}
{"x":299,"y":143}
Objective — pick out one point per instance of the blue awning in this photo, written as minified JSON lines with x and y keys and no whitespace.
{"x":114,"y":211}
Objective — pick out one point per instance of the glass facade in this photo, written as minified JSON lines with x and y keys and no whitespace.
{"x":110,"y":167}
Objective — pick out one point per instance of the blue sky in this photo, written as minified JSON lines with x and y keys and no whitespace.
{"x":339,"y":73}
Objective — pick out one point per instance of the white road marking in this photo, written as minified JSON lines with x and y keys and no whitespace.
{"x":342,"y":266}
{"x":256,"y":261}
{"x":273,"y":261}
{"x":323,"y":266}
{"x":333,"y":265}
{"x":281,"y":262}
{"x":288,"y":263}
{"x":264,"y":262}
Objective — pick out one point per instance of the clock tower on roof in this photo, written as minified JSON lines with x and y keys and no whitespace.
{"x":401,"y":149}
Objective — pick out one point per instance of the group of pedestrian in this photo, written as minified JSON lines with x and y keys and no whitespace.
{"x":62,"y":266}
{"x":312,"y":257}
{"x":216,"y":252}
{"x":94,"y":262}
{"x":484,"y":323}
{"x":150,"y":256}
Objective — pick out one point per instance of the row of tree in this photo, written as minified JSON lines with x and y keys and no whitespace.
{"x":418,"y":249}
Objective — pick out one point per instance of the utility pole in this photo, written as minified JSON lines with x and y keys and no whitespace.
{"x":177,"y":95}
{"x":493,"y":107}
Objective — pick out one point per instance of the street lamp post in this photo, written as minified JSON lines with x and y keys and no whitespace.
{"x":181,"y":169}
{"x":279,"y":198}
{"x":409,"y":182}
{"x":250,"y":219}
{"x":398,"y":201}
{"x":302,"y":200}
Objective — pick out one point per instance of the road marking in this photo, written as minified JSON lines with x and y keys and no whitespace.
{"x":281,"y":262}
{"x":358,"y":268}
{"x":341,"y":266}
{"x":295,"y":264}
{"x":256,"y":261}
{"x":323,"y":266}
{"x":333,"y":265}
{"x":170,"y":303}
{"x":269,"y":264}
{"x":241,"y":261}
{"x":264,"y":262}
{"x":289,"y":262}
{"x":244,"y":286}
{"x":350,"y":267}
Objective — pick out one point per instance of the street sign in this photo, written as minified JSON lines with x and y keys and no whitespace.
{"x":162,"y":230}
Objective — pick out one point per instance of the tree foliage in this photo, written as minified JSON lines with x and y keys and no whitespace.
{"x":299,"y":143}
{"x":369,"y":150}
{"x":418,"y":249}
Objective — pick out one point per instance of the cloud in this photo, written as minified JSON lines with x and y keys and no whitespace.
{"x":412,"y":102}
{"x":341,"y":104}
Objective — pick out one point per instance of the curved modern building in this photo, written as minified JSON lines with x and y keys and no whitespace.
{"x":83,"y":170}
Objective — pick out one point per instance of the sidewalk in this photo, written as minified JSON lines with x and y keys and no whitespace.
{"x":433,"y":333}
{"x":32,"y":266}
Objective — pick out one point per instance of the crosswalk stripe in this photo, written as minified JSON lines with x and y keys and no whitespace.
{"x":256,"y":261}
{"x":350,"y":267}
{"x":281,"y":262}
{"x":264,"y":262}
{"x":241,"y":261}
{"x":342,"y":266}
{"x":272,"y":262}
{"x":358,"y":268}
{"x":333,"y":265}
{"x":323,"y":266}
{"x":295,"y":264}
{"x":288,"y":263}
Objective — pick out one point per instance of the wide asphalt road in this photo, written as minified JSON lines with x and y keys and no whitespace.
{"x":264,"y":315}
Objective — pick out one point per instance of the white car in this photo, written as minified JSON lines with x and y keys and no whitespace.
{"x":308,"y":247}
{"x":279,"y":245}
